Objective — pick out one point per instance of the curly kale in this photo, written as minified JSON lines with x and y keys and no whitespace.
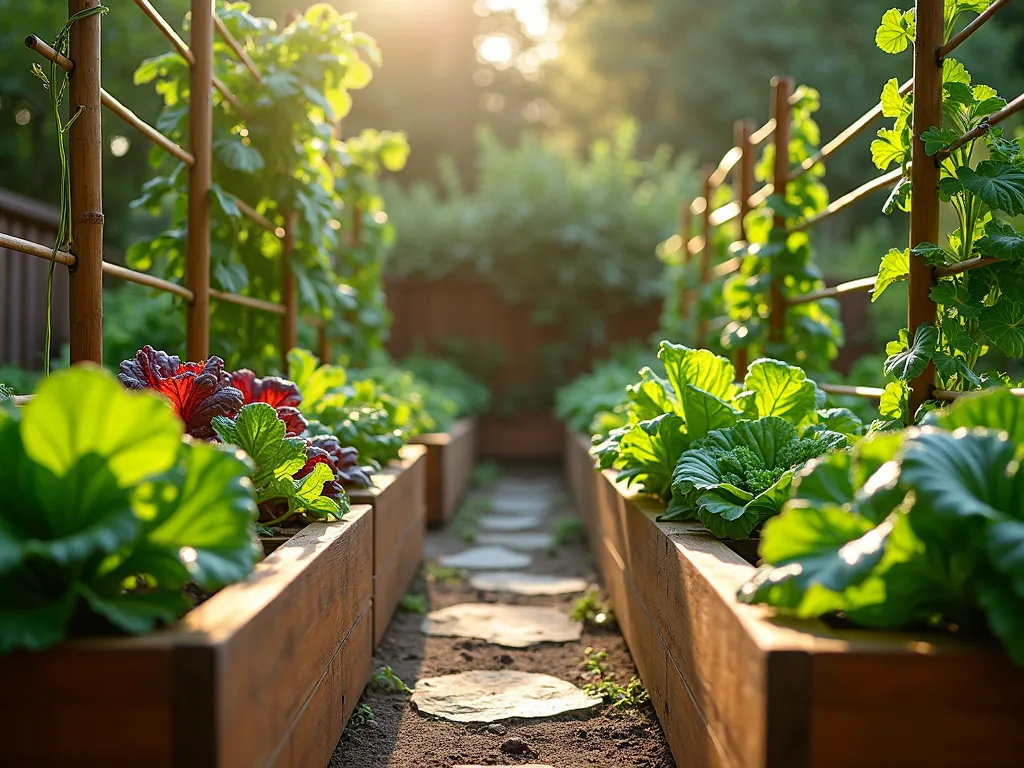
{"x":743,"y":468}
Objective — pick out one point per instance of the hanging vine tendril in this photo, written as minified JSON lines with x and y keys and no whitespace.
{"x":64,"y":228}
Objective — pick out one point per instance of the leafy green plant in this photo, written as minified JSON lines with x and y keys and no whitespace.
{"x":601,"y":682}
{"x":411,"y":603}
{"x":922,"y":527}
{"x":362,"y":717}
{"x":591,"y":611}
{"x":387,"y":680}
{"x":698,"y":396}
{"x":435,"y":573}
{"x":486,"y":473}
{"x":734,"y":479}
{"x":452,"y":392}
{"x":981,"y":309}
{"x":285,"y":161}
{"x":109,"y":513}
{"x":595,"y":402}
{"x":776,"y":259}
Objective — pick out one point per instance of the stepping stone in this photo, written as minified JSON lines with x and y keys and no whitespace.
{"x":526,"y":541}
{"x":531,"y":584}
{"x":484,"y":558}
{"x":512,"y":626}
{"x":524,"y":765}
{"x":520,"y":505}
{"x":486,"y":697}
{"x":508,"y":523}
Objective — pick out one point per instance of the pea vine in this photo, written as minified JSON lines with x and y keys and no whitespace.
{"x":811,"y":333}
{"x":283,"y":156}
{"x":978,"y":310}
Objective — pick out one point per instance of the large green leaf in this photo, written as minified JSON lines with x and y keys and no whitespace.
{"x":781,"y":390}
{"x":706,"y":413}
{"x":313,"y":380}
{"x":235,"y":154}
{"x":998,"y":185}
{"x":1001,"y":241}
{"x":912,"y":361}
{"x":1005,"y":543}
{"x":894,"y":268}
{"x":1004,"y":611}
{"x":259,"y":432}
{"x":650,"y":397}
{"x":896,"y":32}
{"x":1003,"y":324}
{"x":953,"y":295}
{"x":700,"y":367}
{"x":996,"y":409}
{"x":649,"y":452}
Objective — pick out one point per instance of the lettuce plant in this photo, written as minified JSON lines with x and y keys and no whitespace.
{"x":284,"y":395}
{"x":108,"y":513}
{"x":699,"y":395}
{"x":917,"y":528}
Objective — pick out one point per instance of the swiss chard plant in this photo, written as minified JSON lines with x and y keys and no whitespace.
{"x":284,"y":159}
{"x":109,"y":513}
{"x":811,"y":332}
{"x":697,"y":397}
{"x":917,"y":528}
{"x":981,"y":309}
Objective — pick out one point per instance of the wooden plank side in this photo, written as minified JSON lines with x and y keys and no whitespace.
{"x":434,"y":495}
{"x":458,"y":459}
{"x":318,"y":728}
{"x":396,"y":573}
{"x":111,"y":706}
{"x":275,"y":634}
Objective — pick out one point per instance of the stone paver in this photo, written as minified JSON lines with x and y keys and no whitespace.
{"x":486,"y":697}
{"x":508,"y":523}
{"x":521,"y":505}
{"x":530,"y":584}
{"x":524,"y":541}
{"x":512,"y":626}
{"x":486,"y":558}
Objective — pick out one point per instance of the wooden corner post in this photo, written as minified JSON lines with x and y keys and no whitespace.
{"x":742,"y":130}
{"x":782,"y":90}
{"x":707,"y":189}
{"x":685,"y":233}
{"x":289,"y":292}
{"x":924,"y":201}
{"x":200,"y":126}
{"x":86,"y":172}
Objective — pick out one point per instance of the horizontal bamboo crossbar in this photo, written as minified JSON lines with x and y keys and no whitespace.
{"x":853,"y":286}
{"x":141,"y":278}
{"x":869,"y":393}
{"x":183,"y":50}
{"x":850,"y":198}
{"x":234,"y":45}
{"x":248,"y":301}
{"x":947,"y":395}
{"x":115,"y":106}
{"x":987,"y":124}
{"x":695,"y":245}
{"x":847,"y":135}
{"x":763,"y":133}
{"x":725,"y":214}
{"x":12,"y":243}
{"x":258,"y":217}
{"x":727,"y":267}
{"x":957,"y":40}
{"x":728,"y":163}
{"x":964,"y":266}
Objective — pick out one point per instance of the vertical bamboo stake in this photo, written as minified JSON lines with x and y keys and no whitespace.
{"x":782,"y":89}
{"x":685,"y":229}
{"x":86,"y":173}
{"x":323,"y":344}
{"x":924,"y":201}
{"x":289,"y":293}
{"x":705,"y":253}
{"x":744,"y":188}
{"x":200,"y":123}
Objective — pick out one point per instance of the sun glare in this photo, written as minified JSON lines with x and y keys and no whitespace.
{"x":496,"y":49}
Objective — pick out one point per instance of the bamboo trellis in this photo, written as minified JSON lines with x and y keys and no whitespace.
{"x":85,"y":262}
{"x":930,"y":50}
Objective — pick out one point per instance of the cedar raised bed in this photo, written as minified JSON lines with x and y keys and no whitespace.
{"x":451,"y":456}
{"x":398,"y":498}
{"x":735,"y":686}
{"x":265,"y":673}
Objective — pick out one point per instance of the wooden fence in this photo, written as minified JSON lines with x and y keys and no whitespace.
{"x":83,"y":257}
{"x":926,"y":85}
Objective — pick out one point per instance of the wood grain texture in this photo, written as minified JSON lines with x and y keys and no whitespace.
{"x":399,"y":528}
{"x":235,"y":683}
{"x":736,"y":686}
{"x":451,"y":457}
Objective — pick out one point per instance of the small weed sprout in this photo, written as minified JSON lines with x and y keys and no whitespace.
{"x":411,"y":603}
{"x":567,"y":530}
{"x":361,"y":717}
{"x":435,"y":573}
{"x":486,"y":474}
{"x":387,"y":680}
{"x":601,"y":682}
{"x":592,"y":612}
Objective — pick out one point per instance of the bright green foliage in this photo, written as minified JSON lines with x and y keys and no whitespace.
{"x":812,"y":332}
{"x":923,"y":526}
{"x":452,"y":393}
{"x":258,"y":431}
{"x":595,"y":403}
{"x":736,"y":478}
{"x":387,"y":680}
{"x":697,"y":396}
{"x":981,"y":309}
{"x":590,"y":610}
{"x":282,"y":158}
{"x":108,"y":513}
{"x":601,"y":682}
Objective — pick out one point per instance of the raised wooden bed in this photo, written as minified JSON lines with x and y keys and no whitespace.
{"x":735,"y":686}
{"x":398,"y":498}
{"x":265,"y":673}
{"x":523,"y":437}
{"x":451,"y":456}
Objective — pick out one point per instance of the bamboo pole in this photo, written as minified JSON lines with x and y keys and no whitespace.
{"x":685,"y":228}
{"x":782,"y":89}
{"x":742,"y":132}
{"x":705,"y":252}
{"x":924,"y":202}
{"x":323,"y":343}
{"x":289,"y":293}
{"x":86,"y":161}
{"x":200,"y":182}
